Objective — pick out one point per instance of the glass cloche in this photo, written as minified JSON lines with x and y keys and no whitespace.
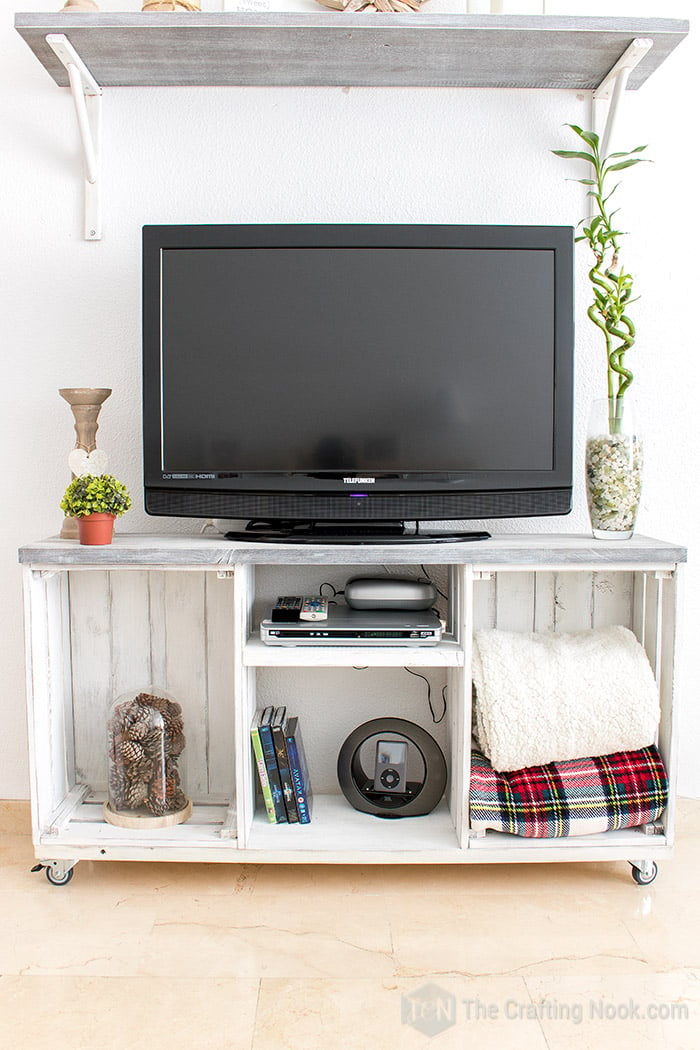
{"x":145,"y":738}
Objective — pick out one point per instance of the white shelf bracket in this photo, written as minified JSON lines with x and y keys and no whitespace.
{"x":87,"y":98}
{"x":612,"y":88}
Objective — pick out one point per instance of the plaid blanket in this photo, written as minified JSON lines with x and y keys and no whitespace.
{"x":578,"y":797}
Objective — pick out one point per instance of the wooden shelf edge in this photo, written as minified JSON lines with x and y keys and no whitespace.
{"x":326,"y":49}
{"x":207,"y":553}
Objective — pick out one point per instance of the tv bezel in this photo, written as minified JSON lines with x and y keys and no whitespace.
{"x":327,"y":495}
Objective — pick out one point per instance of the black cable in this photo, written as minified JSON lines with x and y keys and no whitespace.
{"x":424,"y":571}
{"x":436,"y":721}
{"x":416,"y":674}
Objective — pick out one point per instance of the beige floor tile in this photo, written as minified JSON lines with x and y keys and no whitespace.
{"x":625,"y":1011}
{"x":447,"y":1013}
{"x":16,"y":862}
{"x":666,"y":926}
{"x":116,"y":878}
{"x":101,"y":927}
{"x":334,"y":951}
{"x":444,"y":879}
{"x":523,"y":934}
{"x":86,"y":1013}
{"x":48,"y":930}
{"x":275,"y":935}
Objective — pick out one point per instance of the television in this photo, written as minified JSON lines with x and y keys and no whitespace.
{"x":357,"y":381}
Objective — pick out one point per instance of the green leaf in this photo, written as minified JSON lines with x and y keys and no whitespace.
{"x":588,"y":137}
{"x":626,"y":153}
{"x":625,"y":164}
{"x":572,"y":154}
{"x":612,"y":191}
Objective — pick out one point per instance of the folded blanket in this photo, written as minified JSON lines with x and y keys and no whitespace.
{"x":548,"y":697}
{"x":581,"y":797}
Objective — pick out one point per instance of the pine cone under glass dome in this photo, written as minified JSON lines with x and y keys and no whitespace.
{"x":145,"y":738}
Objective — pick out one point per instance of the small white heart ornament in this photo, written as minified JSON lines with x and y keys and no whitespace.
{"x":82,"y":462}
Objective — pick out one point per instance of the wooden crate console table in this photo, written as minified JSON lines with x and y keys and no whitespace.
{"x":181,"y":612}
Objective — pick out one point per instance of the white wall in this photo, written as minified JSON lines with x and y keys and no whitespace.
{"x":71,"y":309}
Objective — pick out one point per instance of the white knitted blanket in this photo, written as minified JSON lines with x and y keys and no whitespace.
{"x":550,"y":697}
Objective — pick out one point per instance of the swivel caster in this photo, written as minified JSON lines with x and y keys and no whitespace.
{"x":59,"y":879}
{"x":645,"y":874}
{"x":56,"y":873}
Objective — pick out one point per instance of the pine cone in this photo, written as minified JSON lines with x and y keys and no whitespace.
{"x":138,"y":730}
{"x":115,"y":741}
{"x":136,"y":795}
{"x":157,"y":702}
{"x":175,"y":745}
{"x":153,"y":745}
{"x":131,"y":751}
{"x":117,"y":787}
{"x":171,"y":769}
{"x":156,"y":804}
{"x":174,"y":724}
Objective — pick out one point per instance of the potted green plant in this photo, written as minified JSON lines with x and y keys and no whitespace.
{"x":613,"y":447}
{"x":95,"y":500}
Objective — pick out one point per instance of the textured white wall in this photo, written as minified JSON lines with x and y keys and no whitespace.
{"x":71,"y":309}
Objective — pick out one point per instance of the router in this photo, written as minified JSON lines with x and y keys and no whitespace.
{"x":389,"y":592}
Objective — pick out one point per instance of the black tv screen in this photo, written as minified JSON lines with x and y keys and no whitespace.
{"x":357,"y":372}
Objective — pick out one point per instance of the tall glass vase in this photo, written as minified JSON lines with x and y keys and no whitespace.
{"x":614,"y":460}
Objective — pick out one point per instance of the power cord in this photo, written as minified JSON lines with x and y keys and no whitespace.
{"x":428,"y":578}
{"x":436,"y":720}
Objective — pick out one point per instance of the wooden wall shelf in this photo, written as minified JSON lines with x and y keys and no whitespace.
{"x":325,"y":49}
{"x":88,"y":52}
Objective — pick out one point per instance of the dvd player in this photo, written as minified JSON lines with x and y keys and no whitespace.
{"x":357,"y":627}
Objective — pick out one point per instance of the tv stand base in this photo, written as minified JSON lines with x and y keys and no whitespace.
{"x":347,"y":532}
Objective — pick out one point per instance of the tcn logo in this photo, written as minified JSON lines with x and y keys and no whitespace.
{"x":429,"y":1009}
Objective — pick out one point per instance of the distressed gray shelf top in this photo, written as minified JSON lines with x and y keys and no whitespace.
{"x":212,"y":551}
{"x":329,"y":49}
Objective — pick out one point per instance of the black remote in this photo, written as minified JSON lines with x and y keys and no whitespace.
{"x":287,"y":609}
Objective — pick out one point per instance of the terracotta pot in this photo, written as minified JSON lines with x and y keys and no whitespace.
{"x":95,"y":529}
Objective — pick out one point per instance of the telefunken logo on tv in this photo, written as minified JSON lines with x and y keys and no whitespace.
{"x":359,"y":481}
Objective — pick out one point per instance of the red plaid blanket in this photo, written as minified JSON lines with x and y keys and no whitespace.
{"x":578,"y":797}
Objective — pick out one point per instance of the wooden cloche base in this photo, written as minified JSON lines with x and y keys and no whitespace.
{"x":144,"y":820}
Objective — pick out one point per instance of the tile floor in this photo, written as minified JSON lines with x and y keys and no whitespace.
{"x":249,"y":957}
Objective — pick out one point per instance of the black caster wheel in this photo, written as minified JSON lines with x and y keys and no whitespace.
{"x":644,"y":878}
{"x":58,"y":880}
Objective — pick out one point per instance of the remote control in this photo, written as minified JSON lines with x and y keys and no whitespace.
{"x":287,"y":609}
{"x":314,"y":609}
